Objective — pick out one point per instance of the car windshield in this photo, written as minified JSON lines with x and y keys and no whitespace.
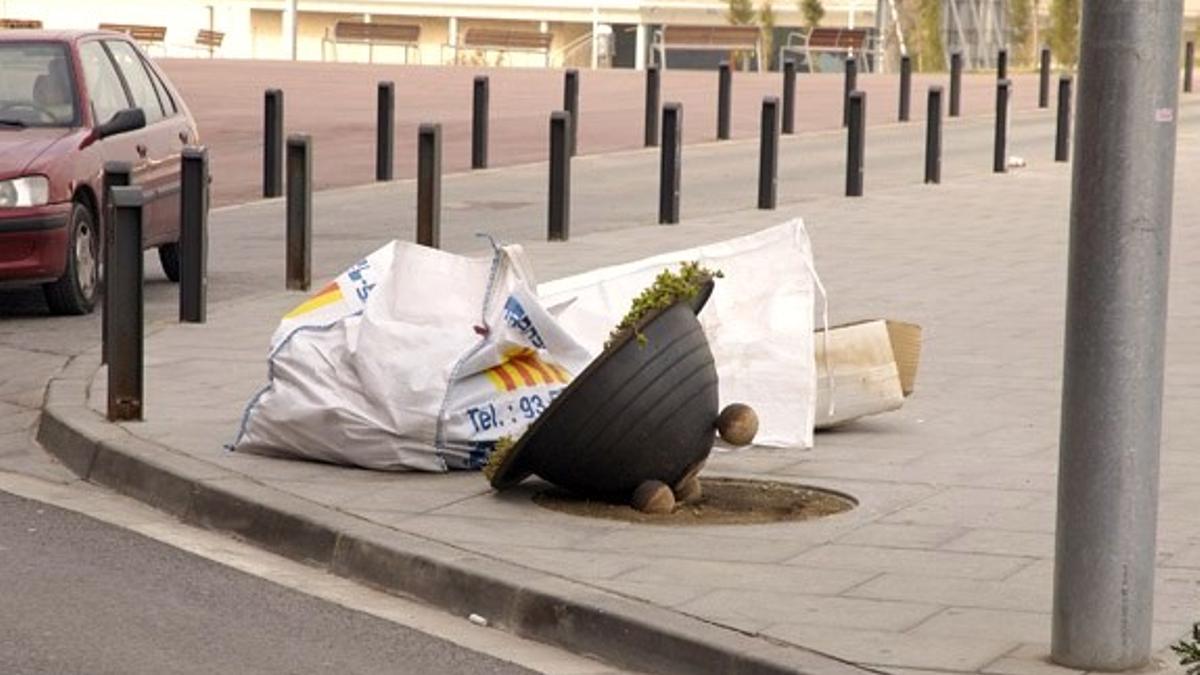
{"x":36,"y":85}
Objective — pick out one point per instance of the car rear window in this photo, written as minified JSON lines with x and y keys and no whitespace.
{"x":140,"y":84}
{"x":164,"y":95}
{"x":37,"y":87}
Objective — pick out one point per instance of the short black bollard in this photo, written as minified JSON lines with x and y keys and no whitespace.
{"x":855,"y":140}
{"x":1062,"y":135}
{"x":670,"y":164}
{"x":429,"y":185}
{"x":1044,"y":79}
{"x":933,"y":136}
{"x":849,"y":86}
{"x":193,"y":236}
{"x":955,"y":82}
{"x":905,"y":87}
{"x":1002,"y":64}
{"x":559,"y":220}
{"x":1000,"y":150}
{"x":385,"y":131}
{"x":1189,"y":62}
{"x":571,"y":106}
{"x":789,"y":96}
{"x":479,"y":123}
{"x":125,"y":379}
{"x":299,"y":212}
{"x":768,"y":154}
{"x":724,"y":99}
{"x":653,"y":91}
{"x":116,"y":174}
{"x":273,"y":143}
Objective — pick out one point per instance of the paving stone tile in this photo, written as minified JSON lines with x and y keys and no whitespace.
{"x":748,"y":576}
{"x":1003,"y":542}
{"x":904,"y":536}
{"x":942,"y":564}
{"x":663,"y":595}
{"x":687,"y":544}
{"x":984,"y":594}
{"x":880,"y":648}
{"x":782,"y":607}
{"x":969,"y":623}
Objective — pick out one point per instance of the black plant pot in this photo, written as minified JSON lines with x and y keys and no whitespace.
{"x":638,"y":412}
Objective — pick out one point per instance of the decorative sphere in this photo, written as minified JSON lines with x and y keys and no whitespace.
{"x":737,"y":424}
{"x":653,"y":496}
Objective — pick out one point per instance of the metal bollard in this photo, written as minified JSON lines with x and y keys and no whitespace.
{"x":299,"y":212}
{"x":670,"y":164}
{"x":116,"y":174}
{"x":1062,"y":135}
{"x":768,"y":154}
{"x":856,"y":139}
{"x":273,"y":143}
{"x":125,"y":376}
{"x":479,"y":123}
{"x":653,"y":91}
{"x":905,"y":87}
{"x":1002,"y":64}
{"x":850,"y":85}
{"x":933,"y":136}
{"x":429,"y":185}
{"x":385,"y":131}
{"x":1044,"y":79}
{"x":193,"y":236}
{"x":789,"y":96}
{"x":724,"y":99}
{"x":1000,"y":151}
{"x":1189,"y":61}
{"x":955,"y":83}
{"x":559,"y":221}
{"x":571,"y":106}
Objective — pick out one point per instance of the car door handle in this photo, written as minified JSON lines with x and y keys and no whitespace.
{"x":141,"y":150}
{"x":183,"y":137}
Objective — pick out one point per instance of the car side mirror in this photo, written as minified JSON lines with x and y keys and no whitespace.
{"x":125,"y":120}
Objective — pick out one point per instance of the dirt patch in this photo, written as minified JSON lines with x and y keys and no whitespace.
{"x":725,"y":501}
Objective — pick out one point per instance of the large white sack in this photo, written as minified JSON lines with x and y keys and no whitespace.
{"x":759,"y":321}
{"x":439,"y":357}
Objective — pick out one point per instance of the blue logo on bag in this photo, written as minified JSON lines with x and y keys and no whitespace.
{"x":516,"y":317}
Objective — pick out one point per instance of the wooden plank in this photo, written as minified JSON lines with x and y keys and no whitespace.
{"x":711,"y":37}
{"x":20,"y":24}
{"x":393,"y":33}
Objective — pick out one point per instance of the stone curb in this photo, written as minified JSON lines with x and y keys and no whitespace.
{"x":624,"y":632}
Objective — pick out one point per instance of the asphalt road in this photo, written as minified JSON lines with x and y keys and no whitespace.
{"x":81,"y":596}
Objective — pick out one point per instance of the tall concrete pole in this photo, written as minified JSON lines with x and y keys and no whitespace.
{"x":1121,"y":198}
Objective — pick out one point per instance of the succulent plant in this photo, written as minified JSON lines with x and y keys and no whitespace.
{"x":668,"y":288}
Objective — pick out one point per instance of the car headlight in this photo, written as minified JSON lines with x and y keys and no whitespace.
{"x":25,"y":191}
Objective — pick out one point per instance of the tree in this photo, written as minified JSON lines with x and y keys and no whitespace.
{"x":1020,"y":28}
{"x":813,"y":12}
{"x":931,"y":55}
{"x":741,"y":12}
{"x":1064,"y":31}
{"x":766,"y":21}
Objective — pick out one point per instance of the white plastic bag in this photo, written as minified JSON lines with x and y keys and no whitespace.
{"x":443,"y":355}
{"x":759,"y":321}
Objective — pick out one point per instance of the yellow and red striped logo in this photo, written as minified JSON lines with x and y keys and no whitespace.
{"x":326,"y":296}
{"x":522,"y":368}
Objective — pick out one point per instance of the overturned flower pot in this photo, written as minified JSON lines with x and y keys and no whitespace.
{"x":643,"y":410}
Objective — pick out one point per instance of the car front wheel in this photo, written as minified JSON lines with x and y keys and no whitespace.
{"x":168,"y":255}
{"x":75,"y":291}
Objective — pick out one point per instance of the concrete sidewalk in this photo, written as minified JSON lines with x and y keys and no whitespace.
{"x":944,"y":566}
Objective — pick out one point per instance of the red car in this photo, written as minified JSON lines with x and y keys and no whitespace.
{"x":69,"y":102}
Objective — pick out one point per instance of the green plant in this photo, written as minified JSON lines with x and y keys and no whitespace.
{"x":813,"y":11}
{"x":766,"y":21}
{"x":668,"y":288}
{"x":500,"y":451}
{"x":1020,"y":27}
{"x":1064,"y":31}
{"x":1189,"y":651}
{"x":931,"y":55}
{"x":741,"y":12}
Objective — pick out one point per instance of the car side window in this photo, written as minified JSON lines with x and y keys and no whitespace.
{"x":140,"y":85}
{"x":164,"y":95}
{"x":103,"y":84}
